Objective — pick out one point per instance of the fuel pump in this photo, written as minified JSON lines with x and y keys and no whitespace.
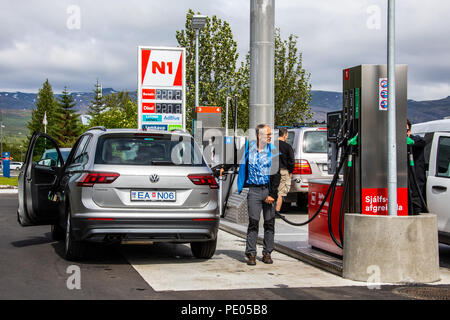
{"x":219,"y":148}
{"x":357,"y":150}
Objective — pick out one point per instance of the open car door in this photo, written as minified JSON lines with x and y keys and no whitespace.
{"x":37,"y":180}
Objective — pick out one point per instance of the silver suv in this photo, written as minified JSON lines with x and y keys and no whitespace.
{"x":121,"y":185}
{"x":310,"y":152}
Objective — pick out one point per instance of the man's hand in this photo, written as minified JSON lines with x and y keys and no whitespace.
{"x":269,"y":200}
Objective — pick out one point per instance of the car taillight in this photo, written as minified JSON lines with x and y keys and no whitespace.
{"x":91,"y":178}
{"x":302,"y":167}
{"x":202,"y":180}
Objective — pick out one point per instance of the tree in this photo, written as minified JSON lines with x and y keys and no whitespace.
{"x":45,"y":104}
{"x":217,"y":63}
{"x":96,"y":107}
{"x":120,"y":111}
{"x":70,"y":123}
{"x":292,"y":87}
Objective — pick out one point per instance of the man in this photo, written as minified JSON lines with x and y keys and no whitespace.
{"x":259,"y":170}
{"x":287,"y":163}
{"x":418,"y":148}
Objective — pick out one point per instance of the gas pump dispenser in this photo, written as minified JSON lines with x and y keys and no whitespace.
{"x":357,"y":138}
{"x":357,"y":156}
{"x":221,"y":151}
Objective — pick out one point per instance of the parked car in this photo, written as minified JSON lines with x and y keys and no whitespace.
{"x":119,"y":186}
{"x":437,"y":162}
{"x":310,"y":151}
{"x":15,"y":165}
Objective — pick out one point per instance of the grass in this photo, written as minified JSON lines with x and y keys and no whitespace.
{"x":8,"y":181}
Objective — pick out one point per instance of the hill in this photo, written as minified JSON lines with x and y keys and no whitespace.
{"x":16,"y":107}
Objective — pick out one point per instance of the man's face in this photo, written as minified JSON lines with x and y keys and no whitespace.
{"x":265,"y":135}
{"x":408,"y":130}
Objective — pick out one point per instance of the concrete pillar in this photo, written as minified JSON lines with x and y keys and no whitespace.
{"x":391,"y":249}
{"x":262,"y":61}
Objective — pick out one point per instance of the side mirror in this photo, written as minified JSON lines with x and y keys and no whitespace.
{"x":47,"y":162}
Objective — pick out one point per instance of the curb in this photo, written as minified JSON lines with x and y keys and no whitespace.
{"x":310,"y":256}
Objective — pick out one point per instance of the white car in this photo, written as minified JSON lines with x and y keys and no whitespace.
{"x":15,"y":165}
{"x":437,"y":156}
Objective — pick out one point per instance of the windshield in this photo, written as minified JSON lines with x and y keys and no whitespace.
{"x":315,"y":142}
{"x":147,"y":149}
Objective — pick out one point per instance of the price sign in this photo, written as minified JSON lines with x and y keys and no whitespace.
{"x":161,"y":88}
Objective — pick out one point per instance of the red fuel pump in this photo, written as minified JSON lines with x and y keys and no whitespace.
{"x":361,"y":126}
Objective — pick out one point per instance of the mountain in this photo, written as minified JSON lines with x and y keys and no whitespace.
{"x":16,"y":107}
{"x":19,"y":100}
{"x":418,"y":111}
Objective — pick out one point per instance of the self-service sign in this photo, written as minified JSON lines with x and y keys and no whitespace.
{"x":161,"y":88}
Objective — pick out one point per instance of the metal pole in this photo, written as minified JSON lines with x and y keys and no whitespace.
{"x":262,"y":62}
{"x":1,"y":139}
{"x":392,"y":130}
{"x":226,"y":115}
{"x":196,"y":67}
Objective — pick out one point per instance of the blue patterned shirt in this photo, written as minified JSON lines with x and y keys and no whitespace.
{"x":258,"y":165}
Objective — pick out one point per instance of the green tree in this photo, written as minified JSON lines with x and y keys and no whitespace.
{"x":120,"y":111}
{"x":292,"y":87}
{"x":96,"y":107}
{"x":69,"y":120}
{"x":45,"y":104}
{"x":217,"y":63}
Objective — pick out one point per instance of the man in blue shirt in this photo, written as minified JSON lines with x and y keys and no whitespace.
{"x":259,"y":171}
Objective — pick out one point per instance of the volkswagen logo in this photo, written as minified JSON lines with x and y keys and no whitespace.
{"x":154,"y":178}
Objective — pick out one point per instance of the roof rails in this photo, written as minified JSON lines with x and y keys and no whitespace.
{"x":97,"y":128}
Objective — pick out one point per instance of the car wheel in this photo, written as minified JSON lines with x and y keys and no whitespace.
{"x":204,"y":250}
{"x":73,"y":250}
{"x":57,"y":233}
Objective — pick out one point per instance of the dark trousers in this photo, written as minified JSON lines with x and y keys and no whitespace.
{"x":256,"y":204}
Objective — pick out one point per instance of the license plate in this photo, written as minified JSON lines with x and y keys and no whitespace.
{"x":325,"y":167}
{"x":153,"y":196}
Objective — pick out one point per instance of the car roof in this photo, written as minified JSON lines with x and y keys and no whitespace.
{"x":150,"y":131}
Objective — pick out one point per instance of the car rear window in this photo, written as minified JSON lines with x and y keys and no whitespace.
{"x":315,"y":142}
{"x":143,"y":149}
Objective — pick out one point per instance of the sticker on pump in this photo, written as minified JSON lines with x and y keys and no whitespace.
{"x":383,"y":94}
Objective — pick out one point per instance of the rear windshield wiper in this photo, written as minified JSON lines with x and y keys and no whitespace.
{"x":162,"y":162}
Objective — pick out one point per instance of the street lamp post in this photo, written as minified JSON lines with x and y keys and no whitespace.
{"x":198,"y":23}
{"x":1,"y":138}
{"x":392,"y":135}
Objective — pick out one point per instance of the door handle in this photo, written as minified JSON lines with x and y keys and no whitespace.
{"x":439,"y":188}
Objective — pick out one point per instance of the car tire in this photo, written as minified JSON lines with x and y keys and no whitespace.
{"x":73,"y":250}
{"x":204,"y":250}
{"x":57,"y":233}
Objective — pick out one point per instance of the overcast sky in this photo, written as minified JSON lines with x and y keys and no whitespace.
{"x":74,"y":42}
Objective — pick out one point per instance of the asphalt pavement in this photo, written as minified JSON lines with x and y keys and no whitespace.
{"x":32,"y":267}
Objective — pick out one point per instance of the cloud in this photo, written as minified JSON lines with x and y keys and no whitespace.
{"x":36,"y":42}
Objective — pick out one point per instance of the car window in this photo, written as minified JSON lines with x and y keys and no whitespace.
{"x":315,"y":142}
{"x":80,"y":147}
{"x":45,"y":154}
{"x":65,"y":154}
{"x":443,"y":158}
{"x":161,"y":149}
{"x":290,"y":138}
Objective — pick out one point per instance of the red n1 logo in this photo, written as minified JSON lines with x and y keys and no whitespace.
{"x":161,"y":67}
